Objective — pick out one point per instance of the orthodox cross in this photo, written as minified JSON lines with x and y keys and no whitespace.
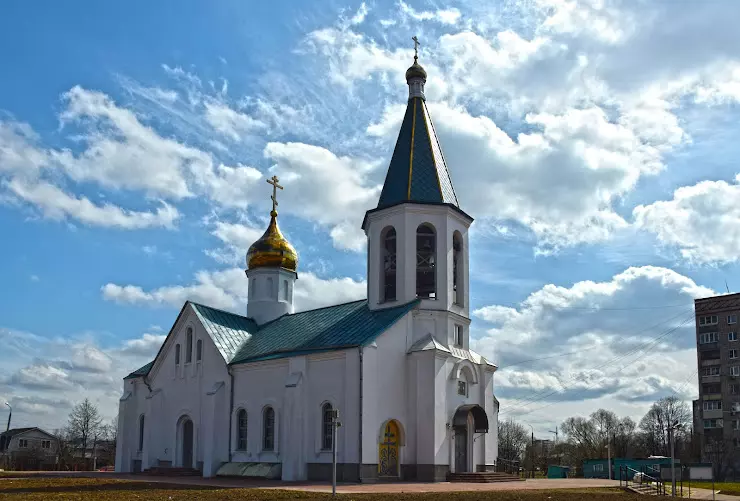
{"x":274,"y":182}
{"x":416,"y":46}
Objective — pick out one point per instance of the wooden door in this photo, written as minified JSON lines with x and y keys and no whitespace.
{"x":461,"y":450}
{"x":388,"y":451}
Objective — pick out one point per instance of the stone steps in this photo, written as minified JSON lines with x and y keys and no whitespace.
{"x":172,"y":472}
{"x":648,"y":490}
{"x":482,"y":477}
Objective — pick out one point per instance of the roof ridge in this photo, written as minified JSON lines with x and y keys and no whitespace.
{"x":320,"y":308}
{"x":219,"y":309}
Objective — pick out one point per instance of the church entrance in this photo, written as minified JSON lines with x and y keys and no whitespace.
{"x":186,"y":441}
{"x":468,"y":420}
{"x":388,"y":450}
{"x":461,"y":449}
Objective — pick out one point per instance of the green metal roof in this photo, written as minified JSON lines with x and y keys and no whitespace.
{"x":141,"y":371}
{"x":324,"y":329}
{"x":240,"y":339}
{"x":227,"y":330}
{"x":417,"y":171}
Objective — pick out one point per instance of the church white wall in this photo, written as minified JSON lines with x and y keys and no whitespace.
{"x":385,"y":392}
{"x":270,"y":293}
{"x":177,"y":391}
{"x":297,"y":400}
{"x":257,"y":386}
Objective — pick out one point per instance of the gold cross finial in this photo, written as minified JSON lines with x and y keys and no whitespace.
{"x":274,"y":182}
{"x":416,"y":47}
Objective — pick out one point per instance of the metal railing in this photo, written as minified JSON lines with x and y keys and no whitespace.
{"x":632,"y":477}
{"x":507,"y":466}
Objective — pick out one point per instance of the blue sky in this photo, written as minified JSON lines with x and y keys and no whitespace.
{"x":594,"y":143}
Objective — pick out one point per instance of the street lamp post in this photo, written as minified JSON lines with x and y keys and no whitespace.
{"x":531,"y":451}
{"x":9,"y":416}
{"x":609,"y":457}
{"x":334,"y":425}
{"x":672,"y":437}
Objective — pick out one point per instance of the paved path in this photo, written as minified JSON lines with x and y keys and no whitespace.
{"x":391,"y":487}
{"x":707,"y":494}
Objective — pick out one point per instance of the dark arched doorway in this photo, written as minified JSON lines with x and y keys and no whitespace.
{"x":468,"y":420}
{"x":186,"y":448}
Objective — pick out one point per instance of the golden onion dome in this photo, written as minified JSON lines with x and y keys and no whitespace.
{"x":272,"y":250}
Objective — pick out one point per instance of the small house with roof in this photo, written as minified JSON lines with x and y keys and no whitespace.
{"x":28,"y":449}
{"x":255,"y":394}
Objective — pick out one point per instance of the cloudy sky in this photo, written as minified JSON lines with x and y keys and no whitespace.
{"x":595,"y":143}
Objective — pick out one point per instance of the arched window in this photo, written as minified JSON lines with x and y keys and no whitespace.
{"x":458,"y":288}
{"x":269,"y":287}
{"x":326,"y":426}
{"x":199,"y":350}
{"x":141,"y":433}
{"x":177,"y":354}
{"x":189,"y":346}
{"x":268,"y":429}
{"x":241,"y":431}
{"x":389,"y":265}
{"x":285,"y":290}
{"x":426,"y":261}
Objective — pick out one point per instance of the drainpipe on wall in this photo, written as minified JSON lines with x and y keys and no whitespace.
{"x":231,"y":407}
{"x":359,"y":475}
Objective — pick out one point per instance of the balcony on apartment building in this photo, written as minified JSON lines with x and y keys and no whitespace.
{"x":710,"y":357}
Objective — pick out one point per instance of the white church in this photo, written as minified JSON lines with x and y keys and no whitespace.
{"x":254,"y":395}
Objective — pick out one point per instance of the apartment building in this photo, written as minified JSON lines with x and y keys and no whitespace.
{"x":717,"y":411}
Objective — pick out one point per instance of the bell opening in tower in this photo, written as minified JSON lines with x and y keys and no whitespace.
{"x":389,"y":265}
{"x":457,"y":291}
{"x":426,"y":262}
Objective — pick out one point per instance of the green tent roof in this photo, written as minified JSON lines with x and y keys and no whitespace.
{"x":417,"y":171}
{"x":342,"y":326}
{"x":141,"y":371}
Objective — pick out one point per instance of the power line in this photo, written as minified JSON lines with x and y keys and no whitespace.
{"x":590,"y":385}
{"x":609,"y":362}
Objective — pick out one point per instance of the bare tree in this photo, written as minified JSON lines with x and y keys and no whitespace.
{"x":64,"y":449}
{"x":656,"y":423}
{"x":720,"y":455}
{"x":623,"y":438}
{"x":84,"y":425}
{"x":512,"y":440}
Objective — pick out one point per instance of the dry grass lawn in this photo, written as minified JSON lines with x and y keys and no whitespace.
{"x":96,"y":489}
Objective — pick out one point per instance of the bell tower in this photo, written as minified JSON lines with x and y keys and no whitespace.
{"x":418,"y":235}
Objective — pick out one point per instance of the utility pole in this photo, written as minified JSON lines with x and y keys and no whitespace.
{"x":335,"y":424}
{"x":672,"y":437}
{"x":9,"y":416}
{"x":554,"y":447}
{"x":609,"y":456}
{"x":531,"y":451}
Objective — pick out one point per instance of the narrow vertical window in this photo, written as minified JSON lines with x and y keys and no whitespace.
{"x":189,"y":346}
{"x":389,"y":265}
{"x":426,"y":261}
{"x":141,"y":433}
{"x":199,"y":350}
{"x":327,"y":415}
{"x":458,"y":291}
{"x":252,"y":287}
{"x":458,"y":335}
{"x":177,"y":354}
{"x":268,"y":432}
{"x":269,"y":292}
{"x":241,"y":440}
{"x":285,"y":290}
